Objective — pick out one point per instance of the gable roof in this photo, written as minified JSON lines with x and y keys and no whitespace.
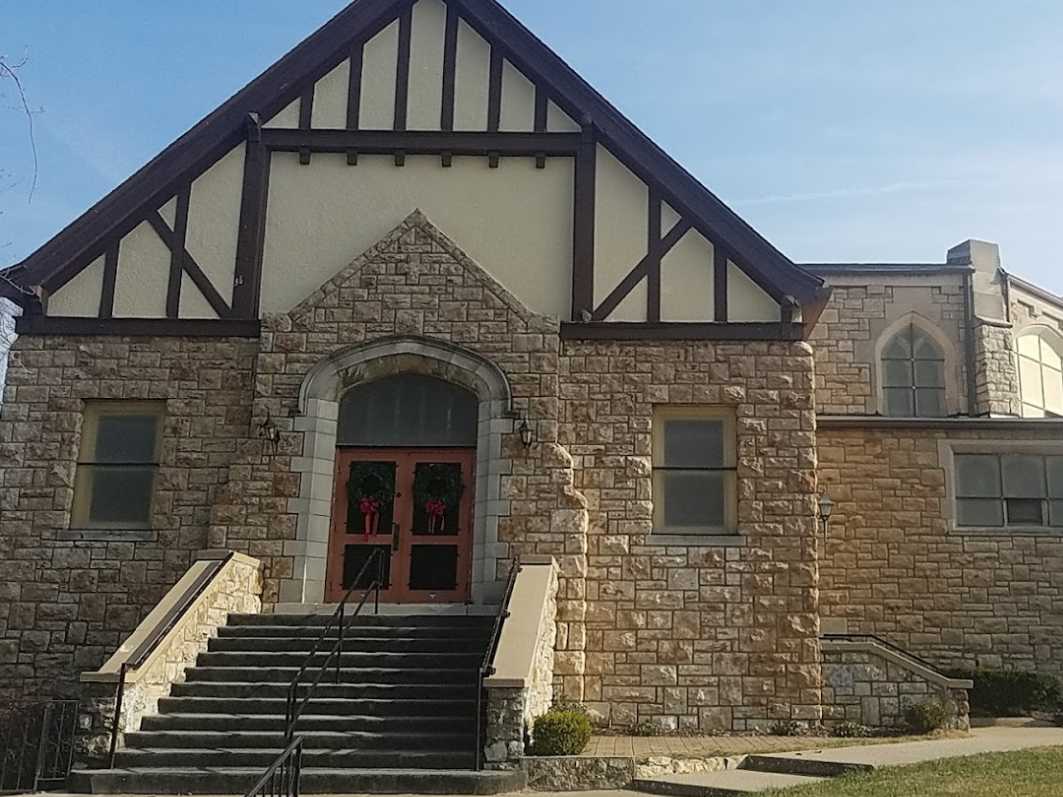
{"x":83,"y":240}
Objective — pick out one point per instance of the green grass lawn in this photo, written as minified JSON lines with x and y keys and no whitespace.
{"x":1029,"y":773}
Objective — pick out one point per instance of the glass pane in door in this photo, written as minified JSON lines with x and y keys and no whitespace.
{"x":370,"y":497}
{"x":434,"y":567}
{"x":437,"y":491}
{"x":355,"y":572}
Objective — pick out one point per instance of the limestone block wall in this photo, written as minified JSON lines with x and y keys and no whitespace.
{"x":68,"y":597}
{"x":892,"y":566}
{"x":867,"y":685}
{"x":861,"y":310}
{"x":717,"y":635}
{"x":996,"y":375}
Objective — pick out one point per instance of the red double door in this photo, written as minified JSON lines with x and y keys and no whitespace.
{"x":415,"y":506}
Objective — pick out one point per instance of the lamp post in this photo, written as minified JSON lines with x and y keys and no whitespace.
{"x":826,"y":509}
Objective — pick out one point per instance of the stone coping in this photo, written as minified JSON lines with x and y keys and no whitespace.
{"x":514,"y":661}
{"x":867,"y":646}
{"x":111,"y":669}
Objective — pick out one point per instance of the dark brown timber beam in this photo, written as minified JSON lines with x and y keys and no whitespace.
{"x":627,"y":284}
{"x":420,"y":142}
{"x":583,"y":224}
{"x":191,"y":268}
{"x":679,"y":330}
{"x":177,"y":252}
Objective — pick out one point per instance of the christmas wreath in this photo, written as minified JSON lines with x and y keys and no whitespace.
{"x":437,"y":488}
{"x":370,"y":491}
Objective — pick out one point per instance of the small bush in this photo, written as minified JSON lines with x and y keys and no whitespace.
{"x":928,"y":716}
{"x":561,"y":732}
{"x":851,"y":730}
{"x":1002,"y":693}
{"x":646,"y":728}
{"x":787,"y":728}
{"x":570,"y":705}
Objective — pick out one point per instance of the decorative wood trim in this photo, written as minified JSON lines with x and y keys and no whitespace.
{"x":653,"y":252}
{"x":494,"y":91}
{"x":177,"y":252}
{"x":678,"y":330}
{"x":110,"y":276}
{"x":191,"y":267}
{"x":450,"y":67}
{"x":634,"y":277}
{"x":154,"y":327}
{"x":583,"y":203}
{"x":354,"y":95}
{"x":248,"y":273}
{"x":540,"y":121}
{"x":719,"y":282}
{"x":421,"y":142}
{"x":402,"y":68}
{"x":306,"y":115}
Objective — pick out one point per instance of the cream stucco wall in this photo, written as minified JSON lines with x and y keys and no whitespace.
{"x":518,"y":101}
{"x":516,"y":220}
{"x":214,"y":221}
{"x":687,"y":280}
{"x":425,"y":96}
{"x":472,"y":72}
{"x":143,"y":274}
{"x":81,"y":296}
{"x":288,"y":117}
{"x":747,"y":301}
{"x":330,"y":99}
{"x":620,"y":226}
{"x":379,"y":57}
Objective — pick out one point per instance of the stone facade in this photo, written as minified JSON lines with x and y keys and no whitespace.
{"x":996,"y":376}
{"x":893,"y":566}
{"x":8,"y":311}
{"x":869,"y":685}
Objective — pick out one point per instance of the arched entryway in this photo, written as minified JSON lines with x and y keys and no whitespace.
{"x":405,"y":478}
{"x":411,"y":370}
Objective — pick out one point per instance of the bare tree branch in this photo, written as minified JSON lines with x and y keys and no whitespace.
{"x":10,"y":70}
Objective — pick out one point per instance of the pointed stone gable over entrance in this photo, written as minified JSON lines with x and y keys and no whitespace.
{"x":447,"y":105}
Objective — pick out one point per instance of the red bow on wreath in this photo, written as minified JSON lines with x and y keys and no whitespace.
{"x":436,"y":511}
{"x":370,"y":514}
{"x":369,"y":506}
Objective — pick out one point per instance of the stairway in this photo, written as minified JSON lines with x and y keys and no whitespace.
{"x":401,"y":718}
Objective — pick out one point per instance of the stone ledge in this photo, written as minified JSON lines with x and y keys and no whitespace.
{"x":106,"y":535}
{"x":698,"y":540}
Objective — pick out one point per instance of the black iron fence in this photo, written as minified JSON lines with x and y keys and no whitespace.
{"x":37,"y":746}
{"x":282,"y":777}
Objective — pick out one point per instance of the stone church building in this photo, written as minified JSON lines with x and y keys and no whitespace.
{"x":420,"y":290}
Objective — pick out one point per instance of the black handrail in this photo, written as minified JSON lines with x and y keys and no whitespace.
{"x":145,"y":648}
{"x":339,"y":618}
{"x":281,"y":778}
{"x":889,"y":645}
{"x":486,"y":669}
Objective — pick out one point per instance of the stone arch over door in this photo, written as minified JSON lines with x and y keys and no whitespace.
{"x":319,"y":398}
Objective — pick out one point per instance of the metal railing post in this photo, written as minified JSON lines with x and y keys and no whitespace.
{"x":39,"y":764}
{"x":119,"y":696}
{"x":339,"y":653}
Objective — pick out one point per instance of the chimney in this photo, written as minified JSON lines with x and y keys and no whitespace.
{"x":984,"y":258}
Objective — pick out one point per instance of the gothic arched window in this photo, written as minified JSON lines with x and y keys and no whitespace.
{"x":1040,"y":377}
{"x":913,"y":375}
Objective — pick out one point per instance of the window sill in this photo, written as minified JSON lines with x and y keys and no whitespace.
{"x":1007,"y":531}
{"x":106,"y":535}
{"x":698,"y":540}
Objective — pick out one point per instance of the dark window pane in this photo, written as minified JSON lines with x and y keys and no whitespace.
{"x":899,"y":402}
{"x":930,"y":374}
{"x":1055,"y":477}
{"x":897,"y":373}
{"x":408,"y":410}
{"x":977,"y":475}
{"x":355,"y":558}
{"x":1024,"y":476}
{"x":126,"y":438}
{"x":374,"y":484}
{"x":433,"y":567}
{"x":436,"y":497}
{"x":924,"y":347}
{"x":120,"y":496}
{"x":899,"y":347}
{"x":1055,"y":510}
{"x":980,"y":512}
{"x":929,"y":403}
{"x":692,"y":499}
{"x":1025,"y":512}
{"x":693,"y":444}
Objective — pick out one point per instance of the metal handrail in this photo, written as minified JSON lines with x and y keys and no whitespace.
{"x":147,"y":647}
{"x":486,"y":669}
{"x":339,"y":618}
{"x":288,"y":766}
{"x":884,"y":643}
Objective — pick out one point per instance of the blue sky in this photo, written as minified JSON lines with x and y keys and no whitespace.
{"x":841,"y":130}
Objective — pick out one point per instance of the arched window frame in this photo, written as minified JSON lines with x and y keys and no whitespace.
{"x":1041,"y":397}
{"x":950,"y":375}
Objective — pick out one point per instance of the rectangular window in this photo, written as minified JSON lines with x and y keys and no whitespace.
{"x":694,"y":470}
{"x":120,"y":443}
{"x":1009,"y":490}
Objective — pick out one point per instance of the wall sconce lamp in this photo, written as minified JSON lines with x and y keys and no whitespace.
{"x":269,"y":430}
{"x":826,"y":509}
{"x":525,"y":432}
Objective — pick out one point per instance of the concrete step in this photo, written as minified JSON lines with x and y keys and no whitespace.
{"x":362,"y":644}
{"x":234,"y":780}
{"x":458,"y":740}
{"x":374,"y":620}
{"x":348,"y":675}
{"x":404,"y":661}
{"x":193,"y":757}
{"x":327,"y":691}
{"x":719,"y":784}
{"x":380,"y":631}
{"x":442,"y":724}
{"x":785,"y":764}
{"x":319,"y":706}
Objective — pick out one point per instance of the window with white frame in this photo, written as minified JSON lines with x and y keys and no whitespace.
{"x":120,"y":445}
{"x":913,"y":375}
{"x":1040,"y":377}
{"x":694,"y":470}
{"x":1008,"y":490}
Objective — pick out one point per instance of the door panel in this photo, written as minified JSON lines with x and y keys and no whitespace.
{"x":415,"y":503}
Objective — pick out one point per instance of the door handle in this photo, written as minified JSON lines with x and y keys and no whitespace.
{"x":395,"y":536}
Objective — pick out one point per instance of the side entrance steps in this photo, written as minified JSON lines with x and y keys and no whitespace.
{"x":400,"y":717}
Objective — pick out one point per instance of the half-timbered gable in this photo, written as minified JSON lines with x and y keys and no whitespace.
{"x":447,"y":106}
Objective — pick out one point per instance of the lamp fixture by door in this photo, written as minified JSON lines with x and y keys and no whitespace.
{"x":525,"y":432}
{"x":826,"y":509}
